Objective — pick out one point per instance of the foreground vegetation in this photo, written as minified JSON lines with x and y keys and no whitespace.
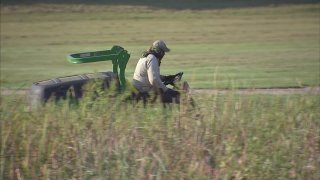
{"x":226,"y":136}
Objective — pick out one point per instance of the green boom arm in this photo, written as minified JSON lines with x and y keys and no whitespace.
{"x":117,"y":55}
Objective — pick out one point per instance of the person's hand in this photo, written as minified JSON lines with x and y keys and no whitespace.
{"x":179,"y":75}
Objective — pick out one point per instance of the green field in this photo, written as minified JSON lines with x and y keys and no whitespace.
{"x":273,"y":46}
{"x":225,"y":136}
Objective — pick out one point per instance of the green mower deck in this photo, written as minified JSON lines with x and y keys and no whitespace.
{"x":118,"y":55}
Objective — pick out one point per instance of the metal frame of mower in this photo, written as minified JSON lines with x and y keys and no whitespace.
{"x":118,"y":55}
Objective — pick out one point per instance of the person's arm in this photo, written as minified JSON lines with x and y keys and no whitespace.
{"x":154,"y":74}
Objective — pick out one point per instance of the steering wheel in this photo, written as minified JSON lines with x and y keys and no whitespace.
{"x":171,"y":79}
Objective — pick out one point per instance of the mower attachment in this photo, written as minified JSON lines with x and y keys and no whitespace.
{"x":117,"y":55}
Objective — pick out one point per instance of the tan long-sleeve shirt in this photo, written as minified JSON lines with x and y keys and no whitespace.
{"x":147,"y":75}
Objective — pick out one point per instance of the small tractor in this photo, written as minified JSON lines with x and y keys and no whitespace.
{"x":58,"y":88}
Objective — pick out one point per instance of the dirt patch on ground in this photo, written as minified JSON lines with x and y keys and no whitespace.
{"x":304,"y":90}
{"x":8,"y":92}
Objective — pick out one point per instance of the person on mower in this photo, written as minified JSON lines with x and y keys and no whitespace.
{"x":147,"y":77}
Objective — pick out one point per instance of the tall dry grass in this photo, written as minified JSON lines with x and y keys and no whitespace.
{"x":228,"y":136}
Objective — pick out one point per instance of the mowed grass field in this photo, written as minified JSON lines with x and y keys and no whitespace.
{"x":225,"y":136}
{"x":274,"y":46}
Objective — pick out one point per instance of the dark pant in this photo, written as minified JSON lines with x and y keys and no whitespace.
{"x":170,"y":96}
{"x":144,"y":96}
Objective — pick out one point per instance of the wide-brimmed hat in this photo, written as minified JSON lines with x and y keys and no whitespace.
{"x":161,"y":45}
